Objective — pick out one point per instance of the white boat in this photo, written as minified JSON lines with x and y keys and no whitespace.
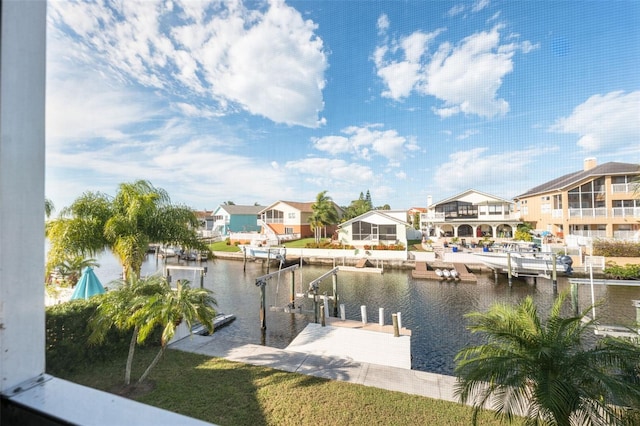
{"x":525,"y":263}
{"x":439,"y":272}
{"x":446,"y":273}
{"x":454,"y":274}
{"x":264,"y":252}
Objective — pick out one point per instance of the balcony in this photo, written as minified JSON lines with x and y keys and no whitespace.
{"x":625,"y":187}
{"x":590,"y":233}
{"x":556,"y":213}
{"x":587,"y":213}
{"x":633,"y":212}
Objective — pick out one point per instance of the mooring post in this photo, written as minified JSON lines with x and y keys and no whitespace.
{"x":334,"y":280}
{"x":322,"y":315}
{"x":268,"y":259}
{"x":292,"y":290}
{"x":396,"y":328}
{"x":574,"y":298}
{"x":363,"y":312}
{"x":202,"y":278}
{"x":244,"y":258}
{"x":325,"y":300}
{"x":636,"y":303}
{"x":509,"y":268}
{"x":343,"y":313}
{"x":381,"y":316}
{"x":399,"y":314}
{"x":263,"y":305}
{"x":554,"y":275}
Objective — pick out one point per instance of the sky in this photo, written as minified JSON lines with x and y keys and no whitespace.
{"x":260,"y":101}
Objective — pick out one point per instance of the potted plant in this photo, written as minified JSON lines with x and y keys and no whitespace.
{"x":454,"y":244}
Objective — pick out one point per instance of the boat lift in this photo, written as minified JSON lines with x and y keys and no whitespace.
{"x":605,"y":330}
{"x":195,"y":269}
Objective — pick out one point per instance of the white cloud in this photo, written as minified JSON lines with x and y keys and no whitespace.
{"x":208,"y":52}
{"x":455,"y":10}
{"x":467,"y":134}
{"x":498,"y":172}
{"x":367,"y":141}
{"x":479,"y":5}
{"x":466,"y":77}
{"x":604,"y":121}
{"x":333,"y":169}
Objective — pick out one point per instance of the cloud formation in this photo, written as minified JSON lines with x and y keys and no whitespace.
{"x":367,"y":141}
{"x":603,"y":121}
{"x":466,"y":76}
{"x":208,"y":52}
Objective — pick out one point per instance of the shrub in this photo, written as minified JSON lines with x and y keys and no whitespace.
{"x":616,"y":248}
{"x":627,"y":272}
{"x":67,"y":335}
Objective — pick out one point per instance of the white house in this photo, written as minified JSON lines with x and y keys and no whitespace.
{"x":375,"y":227}
{"x":471,"y":214}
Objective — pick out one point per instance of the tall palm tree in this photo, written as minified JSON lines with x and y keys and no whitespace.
{"x":168,"y":309}
{"x":139,"y":214}
{"x":545,"y":371}
{"x":324,"y":213}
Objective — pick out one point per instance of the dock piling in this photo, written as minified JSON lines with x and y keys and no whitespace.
{"x":396,"y":328}
{"x":381,"y":316}
{"x":343,"y":314}
{"x":363,"y":312}
{"x":399,"y":315}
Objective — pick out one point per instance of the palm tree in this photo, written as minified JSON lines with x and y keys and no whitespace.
{"x":324,"y":213}
{"x":117,"y":308}
{"x":544,"y":371}
{"x":168,"y":309}
{"x":72,"y":267}
{"x":139,"y":214}
{"x":48,"y":207}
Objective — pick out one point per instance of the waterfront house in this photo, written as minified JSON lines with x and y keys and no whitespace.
{"x":205,"y":218}
{"x":599,"y":201}
{"x":375,"y":227}
{"x":470,"y":214}
{"x":289,"y":220}
{"x":236,"y":218}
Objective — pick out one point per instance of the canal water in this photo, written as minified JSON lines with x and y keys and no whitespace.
{"x":432,"y":310}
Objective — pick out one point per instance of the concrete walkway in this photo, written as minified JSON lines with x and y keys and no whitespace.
{"x":316,"y":358}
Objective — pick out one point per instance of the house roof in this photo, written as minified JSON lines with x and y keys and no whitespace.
{"x":380,"y":214}
{"x":572,"y":179}
{"x":233,"y":209}
{"x":303,"y":207}
{"x":471,"y":192}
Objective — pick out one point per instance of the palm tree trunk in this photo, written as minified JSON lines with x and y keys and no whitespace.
{"x":132,"y":348}
{"x":153,"y":364}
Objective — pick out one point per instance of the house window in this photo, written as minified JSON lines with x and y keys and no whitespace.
{"x":363,"y":231}
{"x":291,"y":215}
{"x":288,"y":231}
{"x":557,"y":202}
{"x":387,"y":233}
{"x":494,"y":209}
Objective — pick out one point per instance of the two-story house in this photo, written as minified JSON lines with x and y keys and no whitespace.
{"x":290,"y":220}
{"x":472,"y":214}
{"x":599,"y":201}
{"x":236,"y":218}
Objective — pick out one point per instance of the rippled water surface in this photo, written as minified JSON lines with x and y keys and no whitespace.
{"x":432,"y":310}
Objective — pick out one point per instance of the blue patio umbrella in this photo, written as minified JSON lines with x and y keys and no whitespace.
{"x":88,"y":285}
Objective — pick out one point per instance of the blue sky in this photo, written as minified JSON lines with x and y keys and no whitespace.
{"x":265,"y":101}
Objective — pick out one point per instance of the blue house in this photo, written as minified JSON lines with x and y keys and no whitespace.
{"x":235,"y":218}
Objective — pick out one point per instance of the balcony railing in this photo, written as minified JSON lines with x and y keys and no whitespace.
{"x":597,"y":212}
{"x":590,"y":233}
{"x":625,"y":187}
{"x":556,"y":213}
{"x":626,"y":235}
{"x":626,"y":212}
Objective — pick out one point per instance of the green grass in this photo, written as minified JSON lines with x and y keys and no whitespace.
{"x":230,"y":393}
{"x":222,"y":246}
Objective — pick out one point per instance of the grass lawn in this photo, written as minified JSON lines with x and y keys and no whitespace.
{"x":230,"y":393}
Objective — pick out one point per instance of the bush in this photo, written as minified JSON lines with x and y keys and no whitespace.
{"x":616,"y":248}
{"x":67,"y":335}
{"x":627,"y":272}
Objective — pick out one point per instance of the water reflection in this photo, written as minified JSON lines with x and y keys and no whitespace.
{"x":433,"y":310}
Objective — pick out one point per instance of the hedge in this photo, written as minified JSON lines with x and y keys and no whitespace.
{"x":616,"y":248}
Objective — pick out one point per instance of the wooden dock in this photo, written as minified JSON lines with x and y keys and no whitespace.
{"x":425,"y":271}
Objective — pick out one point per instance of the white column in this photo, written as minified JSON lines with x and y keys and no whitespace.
{"x":22,"y":102}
